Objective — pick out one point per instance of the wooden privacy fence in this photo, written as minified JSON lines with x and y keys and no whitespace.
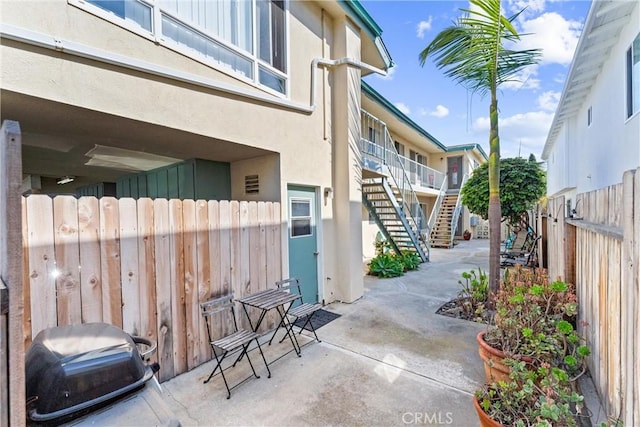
{"x":145,"y":265}
{"x":599,"y":251}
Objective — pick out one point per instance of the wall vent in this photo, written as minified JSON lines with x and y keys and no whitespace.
{"x":251,"y":184}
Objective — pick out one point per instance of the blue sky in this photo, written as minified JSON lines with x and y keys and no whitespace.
{"x":444,"y":108}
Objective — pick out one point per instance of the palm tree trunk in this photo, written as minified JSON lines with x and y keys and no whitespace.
{"x":495,"y":212}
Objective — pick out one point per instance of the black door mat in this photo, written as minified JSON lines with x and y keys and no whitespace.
{"x":319,"y":319}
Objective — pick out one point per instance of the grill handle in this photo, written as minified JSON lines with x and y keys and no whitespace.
{"x":151,"y":346}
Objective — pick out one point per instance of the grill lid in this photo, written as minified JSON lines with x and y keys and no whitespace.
{"x":71,"y":368}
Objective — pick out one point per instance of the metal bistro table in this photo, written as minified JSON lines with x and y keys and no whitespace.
{"x":268,"y":300}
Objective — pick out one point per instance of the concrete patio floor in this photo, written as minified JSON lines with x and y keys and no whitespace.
{"x":388,"y":360}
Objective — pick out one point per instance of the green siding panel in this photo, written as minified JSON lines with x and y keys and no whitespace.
{"x":191,"y":179}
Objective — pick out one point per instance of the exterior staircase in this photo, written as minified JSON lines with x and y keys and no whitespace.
{"x":387,"y":192}
{"x":441,"y":233}
{"x":385,"y":204}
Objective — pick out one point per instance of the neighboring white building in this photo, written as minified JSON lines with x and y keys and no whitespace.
{"x":595,"y":135}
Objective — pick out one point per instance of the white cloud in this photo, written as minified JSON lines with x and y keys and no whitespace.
{"x":530,"y":6}
{"x":524,"y":132}
{"x":551,"y":32}
{"x":548,"y":101}
{"x":560,"y":78}
{"x":440,"y":112}
{"x":524,"y":79}
{"x":402,"y":107}
{"x":424,"y":26}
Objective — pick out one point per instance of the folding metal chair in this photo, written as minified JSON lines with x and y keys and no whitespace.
{"x":238,"y":339}
{"x":300,"y":311}
{"x":525,"y":259}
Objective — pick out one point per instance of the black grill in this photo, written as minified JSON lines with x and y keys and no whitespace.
{"x":73,"y":369}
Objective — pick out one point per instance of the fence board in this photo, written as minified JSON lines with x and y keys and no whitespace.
{"x":225,"y":247}
{"x":192,"y":308}
{"x":110,"y":261}
{"x":42,"y":263}
{"x":261,"y":258}
{"x":254,"y":247}
{"x":176,"y":228}
{"x":130,"y":276}
{"x":90,"y":274}
{"x":26,"y":297}
{"x":204,"y":271}
{"x":215,"y":248}
{"x":163,"y":288}
{"x":613,"y":322}
{"x":146,"y":271}
{"x":245,"y":249}
{"x":273,"y":243}
{"x":632,"y":371}
{"x":67,"y":255}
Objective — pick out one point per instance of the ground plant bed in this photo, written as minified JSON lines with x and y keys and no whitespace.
{"x":458,"y":308}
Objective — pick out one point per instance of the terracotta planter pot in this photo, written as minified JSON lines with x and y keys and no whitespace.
{"x":494,"y":368}
{"x":485,"y":420}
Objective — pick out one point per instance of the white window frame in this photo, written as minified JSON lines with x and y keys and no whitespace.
{"x":156,"y":36}
{"x":292,"y":217}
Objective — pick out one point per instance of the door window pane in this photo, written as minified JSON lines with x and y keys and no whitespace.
{"x":300,"y":208}
{"x":300,"y":227}
{"x":301,"y":220}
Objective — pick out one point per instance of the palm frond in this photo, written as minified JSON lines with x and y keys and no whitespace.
{"x":471,"y":51}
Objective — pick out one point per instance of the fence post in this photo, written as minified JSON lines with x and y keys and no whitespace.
{"x":12,"y":387}
{"x":629,"y":296}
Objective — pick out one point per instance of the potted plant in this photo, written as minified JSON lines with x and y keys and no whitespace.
{"x":543,"y":397}
{"x":466,"y":235}
{"x":532,"y":323}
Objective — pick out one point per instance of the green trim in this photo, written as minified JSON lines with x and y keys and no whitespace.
{"x":464,"y":147}
{"x":360,"y":14}
{"x":371,"y":93}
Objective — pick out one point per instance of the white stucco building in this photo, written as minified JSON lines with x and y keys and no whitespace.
{"x":595,"y":135}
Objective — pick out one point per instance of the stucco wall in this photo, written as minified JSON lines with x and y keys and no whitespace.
{"x":304,"y":142}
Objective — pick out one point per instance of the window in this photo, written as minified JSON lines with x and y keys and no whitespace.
{"x":301,"y":218}
{"x":246,"y":37}
{"x":633,"y":77}
{"x":589,"y":116}
{"x":399,"y":148}
{"x":132,"y":11}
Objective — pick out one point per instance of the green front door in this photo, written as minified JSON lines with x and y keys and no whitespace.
{"x":303,"y":240}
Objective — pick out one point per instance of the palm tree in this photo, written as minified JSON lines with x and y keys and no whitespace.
{"x":472,"y":52}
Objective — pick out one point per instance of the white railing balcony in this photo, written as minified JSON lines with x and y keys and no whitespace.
{"x":421,"y":175}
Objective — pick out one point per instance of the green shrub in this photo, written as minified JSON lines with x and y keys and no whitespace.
{"x":410,"y":260}
{"x":474,"y":293}
{"x":386,"y":265}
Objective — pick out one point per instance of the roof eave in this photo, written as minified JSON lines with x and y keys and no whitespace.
{"x":373,"y":94}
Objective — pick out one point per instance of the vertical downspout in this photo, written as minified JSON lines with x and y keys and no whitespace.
{"x":324,"y":80}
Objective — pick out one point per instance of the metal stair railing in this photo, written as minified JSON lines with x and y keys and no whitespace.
{"x":456,"y":211}
{"x":438,"y":204}
{"x":380,"y":224}
{"x":410,"y":206}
